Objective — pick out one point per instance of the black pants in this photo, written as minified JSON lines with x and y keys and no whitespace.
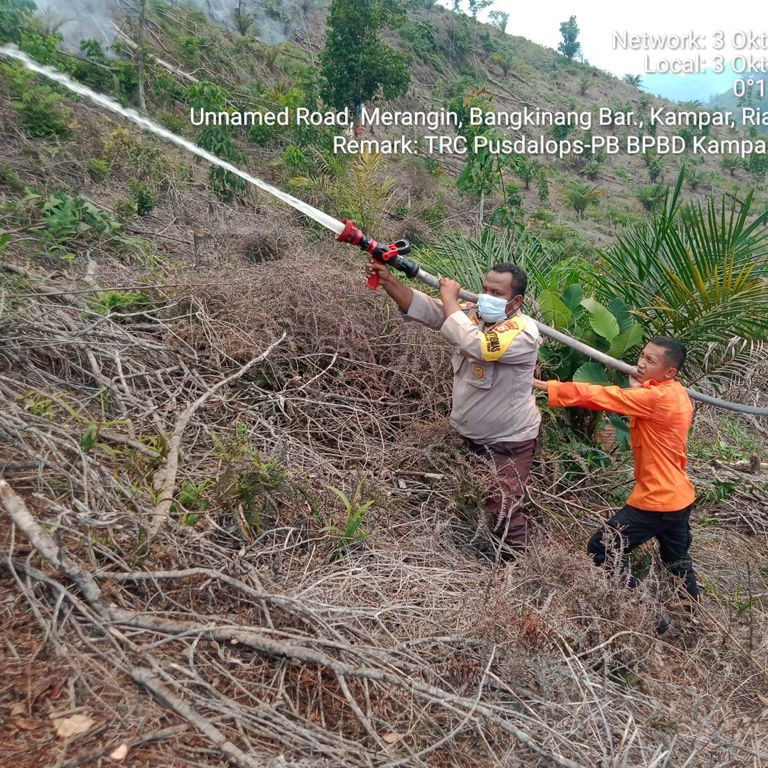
{"x":631,"y":527}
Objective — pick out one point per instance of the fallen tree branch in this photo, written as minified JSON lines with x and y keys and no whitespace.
{"x":14,"y":505}
{"x":165,"y":477}
{"x":291,"y":652}
{"x":150,"y":681}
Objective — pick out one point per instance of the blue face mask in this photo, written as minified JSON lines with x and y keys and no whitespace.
{"x":492,"y":309}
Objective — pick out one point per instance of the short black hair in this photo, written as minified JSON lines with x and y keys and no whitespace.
{"x":674,"y":350}
{"x":519,"y":278}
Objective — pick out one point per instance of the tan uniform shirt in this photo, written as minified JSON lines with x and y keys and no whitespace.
{"x":492,"y":371}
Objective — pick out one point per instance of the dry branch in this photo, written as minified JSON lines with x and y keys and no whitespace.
{"x":165,"y":478}
{"x":292,"y":652}
{"x":236,"y":756}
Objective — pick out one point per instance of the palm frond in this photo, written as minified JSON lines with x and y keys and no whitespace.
{"x":696,"y":272}
{"x":468,"y":260}
{"x":727,"y":364}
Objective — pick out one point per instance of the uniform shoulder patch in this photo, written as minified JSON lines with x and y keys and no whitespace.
{"x":497,"y":340}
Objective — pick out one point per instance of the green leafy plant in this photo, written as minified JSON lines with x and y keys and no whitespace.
{"x":578,"y":460}
{"x":65,"y":217}
{"x":42,"y":113}
{"x":731,"y":163}
{"x":98,"y":168}
{"x":352,"y":533}
{"x":217,"y":138}
{"x":525,"y":168}
{"x":757,"y":166}
{"x":108,"y":302}
{"x":249,"y":487}
{"x":569,"y":46}
{"x":651,"y":197}
{"x":592,"y":169}
{"x":694,"y":272}
{"x":14,"y":15}
{"x":143,"y":196}
{"x":141,"y":159}
{"x":359,"y":190}
{"x":542,"y":185}
{"x":580,"y":196}
{"x":609,"y":327}
{"x":191,"y":499}
{"x":352,"y":72}
{"x":468,"y":260}
{"x":89,"y":437}
{"x":655,"y":169}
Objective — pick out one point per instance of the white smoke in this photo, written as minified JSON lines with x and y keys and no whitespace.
{"x":95,"y":19}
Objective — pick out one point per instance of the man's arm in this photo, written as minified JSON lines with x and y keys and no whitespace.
{"x":509,"y":342}
{"x":400,"y":293}
{"x":638,"y":400}
{"x":414,"y":305}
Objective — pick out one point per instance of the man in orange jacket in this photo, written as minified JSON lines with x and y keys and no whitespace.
{"x":660,"y":415}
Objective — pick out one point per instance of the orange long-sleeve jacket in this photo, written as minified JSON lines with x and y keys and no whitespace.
{"x":660,"y":415}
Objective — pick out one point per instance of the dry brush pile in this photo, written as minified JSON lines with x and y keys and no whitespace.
{"x":183,"y":583}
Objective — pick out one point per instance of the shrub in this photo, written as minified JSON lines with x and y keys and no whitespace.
{"x":543,"y":215}
{"x":142,"y":160}
{"x":655,"y":169}
{"x":651,"y":197}
{"x":172,"y":121}
{"x":107,"y":302}
{"x":525,"y":168}
{"x":592,"y":169}
{"x":217,"y":138}
{"x":434,"y":214}
{"x":98,"y":168}
{"x":542,"y":185}
{"x":42,"y":114}
{"x":13,"y":18}
{"x":294,"y":158}
{"x":10,"y":178}
{"x":126,"y":208}
{"x":65,"y":217}
{"x":580,"y":196}
{"x":757,"y":165}
{"x":731,"y":163}
{"x":143,"y":197}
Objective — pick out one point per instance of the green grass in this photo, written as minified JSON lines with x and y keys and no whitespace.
{"x":731,"y":441}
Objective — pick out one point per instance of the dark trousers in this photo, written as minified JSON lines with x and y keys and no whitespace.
{"x":505,"y":505}
{"x":630,"y":527}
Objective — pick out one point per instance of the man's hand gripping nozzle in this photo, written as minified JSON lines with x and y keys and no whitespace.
{"x":392,"y":254}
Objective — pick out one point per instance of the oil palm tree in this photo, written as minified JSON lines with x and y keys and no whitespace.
{"x":468,"y":260}
{"x":699,"y":273}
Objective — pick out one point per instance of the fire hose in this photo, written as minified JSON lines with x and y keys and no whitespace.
{"x":393,"y":254}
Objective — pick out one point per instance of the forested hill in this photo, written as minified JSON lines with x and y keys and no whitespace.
{"x":579,"y":199}
{"x":236,"y":525}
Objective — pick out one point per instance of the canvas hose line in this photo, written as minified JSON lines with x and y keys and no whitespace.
{"x":392,"y":254}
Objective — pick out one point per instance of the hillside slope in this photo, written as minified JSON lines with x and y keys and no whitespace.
{"x":263,"y":544}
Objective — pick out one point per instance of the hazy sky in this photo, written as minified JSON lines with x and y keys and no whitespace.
{"x":598,"y":20}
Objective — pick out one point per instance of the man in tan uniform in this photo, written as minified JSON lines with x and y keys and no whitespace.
{"x":495,"y":348}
